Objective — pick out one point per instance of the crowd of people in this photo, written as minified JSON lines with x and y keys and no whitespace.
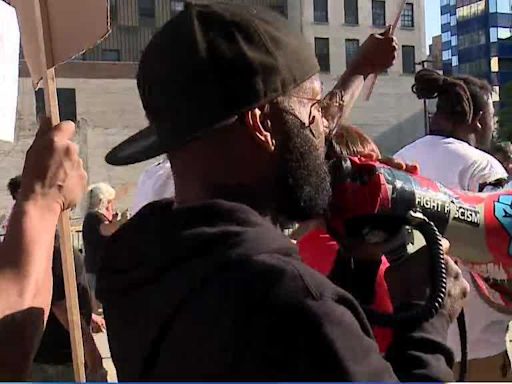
{"x":201,"y":283}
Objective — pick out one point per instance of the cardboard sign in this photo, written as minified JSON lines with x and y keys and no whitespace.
{"x":75,"y":26}
{"x":9,"y":60}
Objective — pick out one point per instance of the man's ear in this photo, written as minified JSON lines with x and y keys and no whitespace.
{"x":476,"y":126}
{"x":260,"y":128}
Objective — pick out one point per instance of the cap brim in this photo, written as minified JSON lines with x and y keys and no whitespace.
{"x":140,"y":147}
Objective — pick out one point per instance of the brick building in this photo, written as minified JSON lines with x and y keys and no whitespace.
{"x":436,"y":52}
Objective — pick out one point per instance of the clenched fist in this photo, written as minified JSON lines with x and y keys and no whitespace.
{"x":457,"y":289}
{"x":53,"y":171}
{"x":377,"y":53}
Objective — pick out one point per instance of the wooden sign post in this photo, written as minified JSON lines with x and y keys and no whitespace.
{"x":52,"y":32}
{"x":66,"y":247}
{"x":372,"y":79}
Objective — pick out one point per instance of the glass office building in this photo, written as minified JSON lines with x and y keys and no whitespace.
{"x":477,"y":39}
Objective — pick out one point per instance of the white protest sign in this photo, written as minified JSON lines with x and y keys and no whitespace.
{"x":9,"y":61}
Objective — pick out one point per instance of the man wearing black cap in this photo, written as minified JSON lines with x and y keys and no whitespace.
{"x":220,"y":294}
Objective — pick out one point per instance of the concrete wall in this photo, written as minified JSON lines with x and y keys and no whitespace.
{"x":108,"y":111}
{"x":394,"y":117}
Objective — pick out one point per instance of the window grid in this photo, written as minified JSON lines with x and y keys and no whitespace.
{"x":67,"y":103}
{"x":408,"y":59}
{"x":408,"y":16}
{"x":320,"y":11}
{"x":146,"y":12}
{"x":351,"y":12}
{"x":110,"y":55}
{"x":351,"y":48}
{"x":378,"y":13}
{"x":322,"y":53}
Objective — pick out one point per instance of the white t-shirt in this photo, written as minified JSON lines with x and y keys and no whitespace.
{"x":453,"y":163}
{"x":458,"y":165}
{"x":155,"y":183}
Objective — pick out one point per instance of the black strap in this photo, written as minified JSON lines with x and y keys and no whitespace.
{"x":463,"y":336}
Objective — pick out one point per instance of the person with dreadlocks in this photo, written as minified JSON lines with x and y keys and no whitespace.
{"x":454,"y":155}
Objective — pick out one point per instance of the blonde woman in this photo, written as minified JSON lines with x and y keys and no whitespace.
{"x":100,"y":222}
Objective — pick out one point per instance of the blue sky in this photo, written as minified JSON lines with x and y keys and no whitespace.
{"x":432,"y":19}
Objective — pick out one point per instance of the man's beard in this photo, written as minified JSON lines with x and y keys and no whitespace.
{"x":303,"y":183}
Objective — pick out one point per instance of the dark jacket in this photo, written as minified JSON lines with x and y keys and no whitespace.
{"x":94,"y":241}
{"x":215,"y":292}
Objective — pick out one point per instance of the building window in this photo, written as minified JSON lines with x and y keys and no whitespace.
{"x":351,"y":48}
{"x":67,"y":103}
{"x":445,"y":18}
{"x":351,"y":12}
{"x":113,"y":11}
{"x":408,"y":16}
{"x":471,"y":10}
{"x":281,"y":8}
{"x":322,"y":53}
{"x":177,"y":6}
{"x":321,"y":13}
{"x":505,"y":64}
{"x":379,"y":13}
{"x":495,"y":66}
{"x":500,"y":6}
{"x":495,"y":93}
{"x":110,"y":55}
{"x":475,"y":68}
{"x":472,"y":39}
{"x":455,"y":61}
{"x":408,"y":59}
{"x":496,"y":34}
{"x":147,"y":12}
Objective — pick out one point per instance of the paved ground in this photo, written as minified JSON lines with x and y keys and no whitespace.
{"x":102,"y":342}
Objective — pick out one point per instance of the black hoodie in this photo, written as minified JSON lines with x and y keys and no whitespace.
{"x":216,"y":292}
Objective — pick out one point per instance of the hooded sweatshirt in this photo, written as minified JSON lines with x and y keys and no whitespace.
{"x":215,"y":292}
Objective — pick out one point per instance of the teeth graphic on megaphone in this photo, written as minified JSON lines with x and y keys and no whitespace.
{"x":478,"y":225}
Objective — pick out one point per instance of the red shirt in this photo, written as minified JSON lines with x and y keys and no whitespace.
{"x":318,"y":250}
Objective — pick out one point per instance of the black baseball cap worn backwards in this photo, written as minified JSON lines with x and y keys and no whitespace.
{"x":207,"y":65}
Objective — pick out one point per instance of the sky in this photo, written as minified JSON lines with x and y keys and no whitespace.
{"x":432,"y":19}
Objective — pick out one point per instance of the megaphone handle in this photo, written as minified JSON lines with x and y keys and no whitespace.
{"x":437,"y":295}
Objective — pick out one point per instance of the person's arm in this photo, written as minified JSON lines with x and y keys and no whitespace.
{"x":329,"y":339}
{"x":53,"y":180}
{"x":377,"y":54}
{"x":420,"y":353}
{"x":93,"y":358}
{"x":109,"y":228}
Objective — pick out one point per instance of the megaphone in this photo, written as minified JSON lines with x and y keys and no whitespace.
{"x":371,"y":201}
